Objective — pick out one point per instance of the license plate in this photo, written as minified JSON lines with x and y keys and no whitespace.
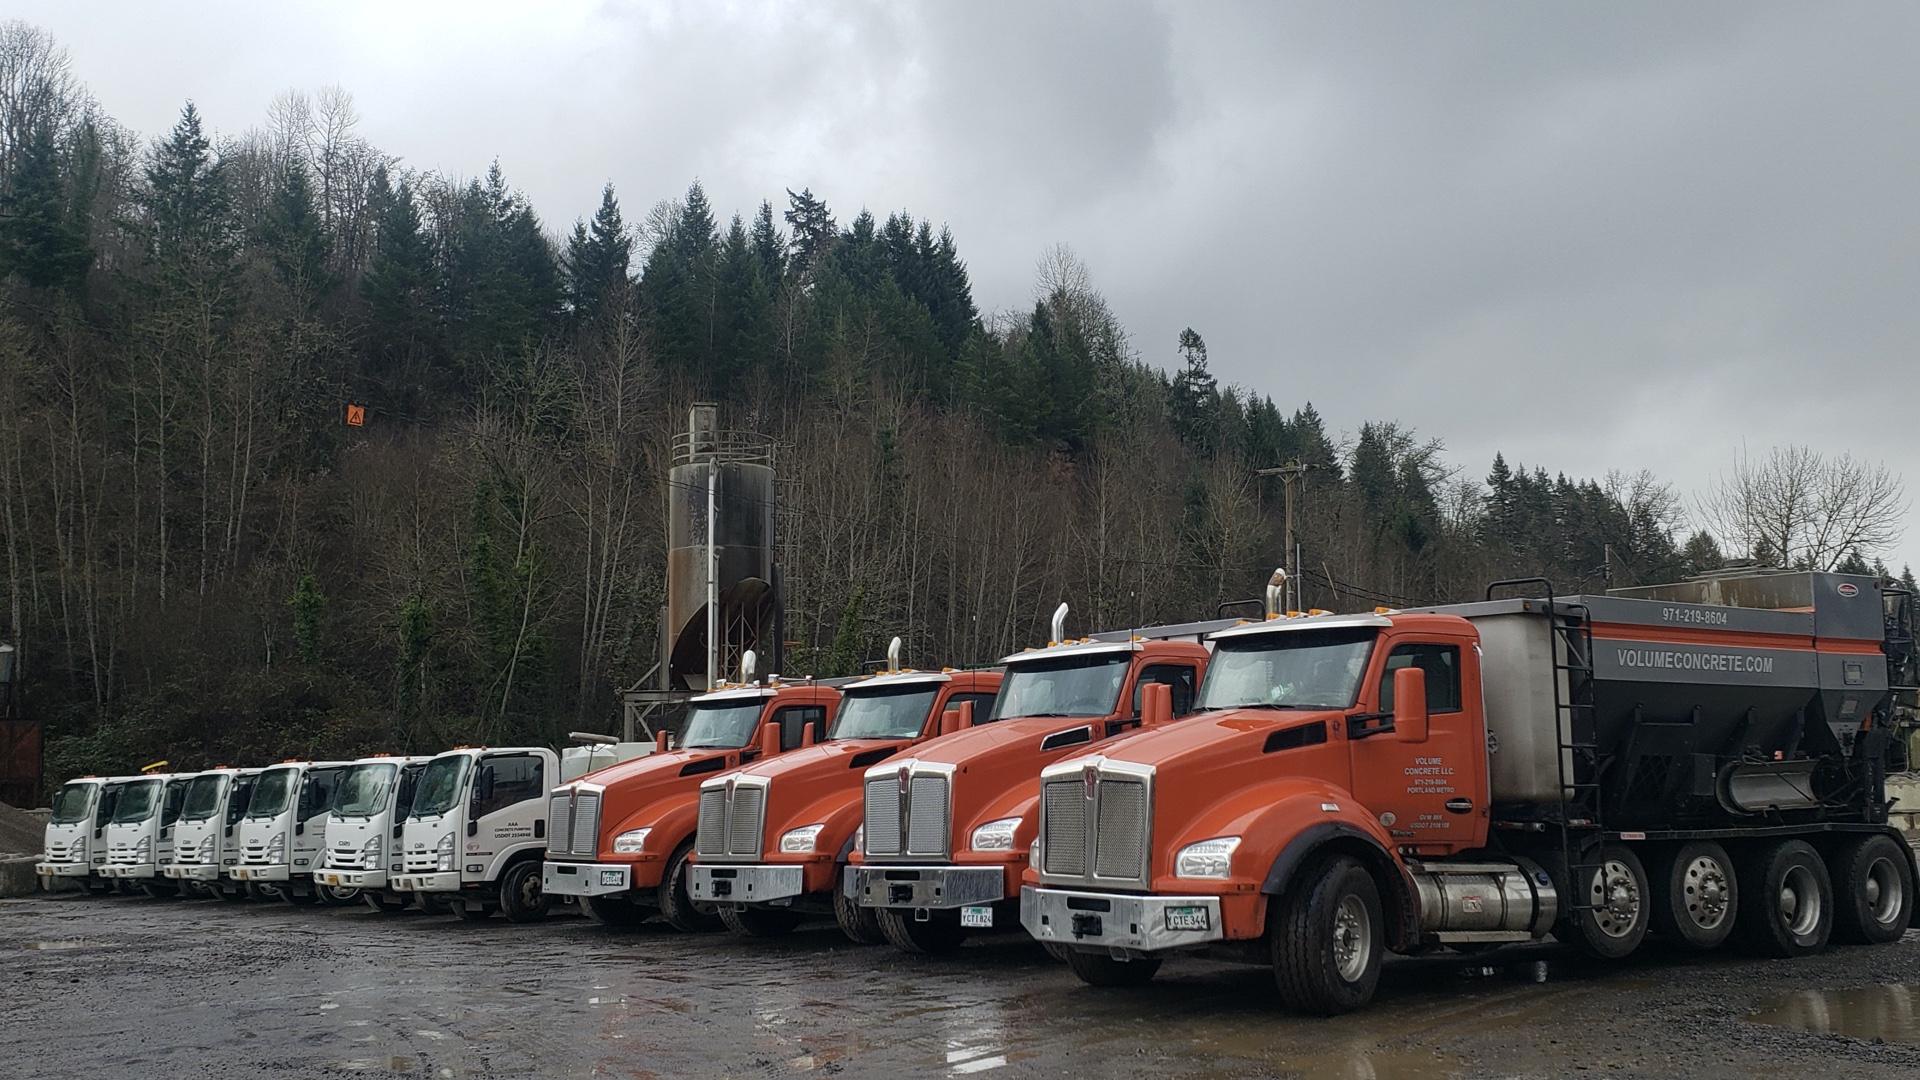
{"x":1188,"y":918}
{"x":612,"y":877}
{"x":981,"y":917}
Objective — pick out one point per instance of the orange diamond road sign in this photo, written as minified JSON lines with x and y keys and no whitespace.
{"x":356,"y":415}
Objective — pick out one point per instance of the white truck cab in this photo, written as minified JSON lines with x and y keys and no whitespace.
{"x":76,"y":845}
{"x":284,"y":829}
{"x":204,"y":839}
{"x":140,"y":833}
{"x":477,"y":830}
{"x":364,"y":831}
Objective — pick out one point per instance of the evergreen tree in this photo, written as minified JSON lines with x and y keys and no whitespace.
{"x":43,"y":225}
{"x":193,"y":241}
{"x":597,"y":261}
{"x":1193,"y":395}
{"x":743,"y":320}
{"x":294,"y":240}
{"x":769,"y":247}
{"x":677,"y":287}
{"x":309,"y":608}
{"x":398,"y":284}
{"x":813,"y":228}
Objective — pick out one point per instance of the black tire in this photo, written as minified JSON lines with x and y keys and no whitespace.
{"x":940,"y":934}
{"x":297,"y":898}
{"x":860,"y":924}
{"x":1873,"y":890}
{"x":471,"y":912}
{"x":1786,"y":900}
{"x":1696,"y":896}
{"x":680,"y":909}
{"x":384,"y":902}
{"x":521,"y":897}
{"x":432,"y":903}
{"x":1328,"y":939}
{"x":258,"y":893}
{"x":160,"y":889}
{"x":616,"y":911}
{"x":334,"y":897}
{"x":1612,"y":903}
{"x":96,"y":887}
{"x":231,"y":892}
{"x":760,"y":922}
{"x":1056,"y":950}
{"x":1102,"y":970}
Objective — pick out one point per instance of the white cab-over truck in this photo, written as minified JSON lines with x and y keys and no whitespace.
{"x":364,"y":831}
{"x":76,"y":845}
{"x":476,"y":832}
{"x":140,"y":832}
{"x":204,"y":844}
{"x":284,"y":829}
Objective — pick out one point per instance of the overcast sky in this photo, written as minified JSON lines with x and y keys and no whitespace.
{"x":1594,"y":237}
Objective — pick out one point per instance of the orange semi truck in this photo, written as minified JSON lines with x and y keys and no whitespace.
{"x":946,"y":831}
{"x":774,"y":837}
{"x":622,"y":836}
{"x":1691,"y":759}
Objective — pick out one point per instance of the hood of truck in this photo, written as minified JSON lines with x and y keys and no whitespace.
{"x":635,"y":794}
{"x":817,"y":784}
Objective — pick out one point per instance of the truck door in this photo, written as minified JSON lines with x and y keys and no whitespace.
{"x":317,"y":793}
{"x":1181,"y":677}
{"x":170,"y":805}
{"x":508,"y":810}
{"x":794,"y":720}
{"x":1430,"y":794}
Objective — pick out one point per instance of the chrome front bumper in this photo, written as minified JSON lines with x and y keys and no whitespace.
{"x":1144,"y":924}
{"x":129,"y":870}
{"x":62,"y":869}
{"x":443,"y":882}
{"x":745,"y":884}
{"x":351,"y":879}
{"x":925,"y":886}
{"x":192,"y":872}
{"x":585,"y":879}
{"x":260,"y":873}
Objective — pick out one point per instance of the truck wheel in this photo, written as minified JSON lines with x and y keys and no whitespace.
{"x":335,"y":897}
{"x":476,"y":912}
{"x":1099,"y":969}
{"x":682,"y":911}
{"x":939,"y":935}
{"x":1328,"y":938}
{"x":521,"y":899}
{"x":614,"y":911}
{"x":1699,"y":896}
{"x":1056,"y":950}
{"x":296,"y":897}
{"x":860,"y":924}
{"x":229,"y":891}
{"x":160,"y":890}
{"x":1873,"y":883}
{"x":96,"y":887}
{"x":432,"y":903}
{"x":1612,"y":905}
{"x":258,"y":893}
{"x":759,"y":922}
{"x":384,"y":902}
{"x":1786,"y":900}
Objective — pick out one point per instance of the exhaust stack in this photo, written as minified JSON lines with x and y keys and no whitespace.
{"x":1277,"y":594}
{"x":1059,"y":624}
{"x":747,"y":662}
{"x":893,"y":655}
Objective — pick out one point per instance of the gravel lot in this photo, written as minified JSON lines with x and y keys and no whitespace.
{"x":130,"y":986}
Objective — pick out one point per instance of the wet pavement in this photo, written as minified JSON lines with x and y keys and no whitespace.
{"x":124,"y":986}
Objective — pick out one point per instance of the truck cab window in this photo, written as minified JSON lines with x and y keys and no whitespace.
{"x":1178,"y":676}
{"x":504,"y":781}
{"x":176,"y":798}
{"x":794,"y":720}
{"x":982,"y":706}
{"x":317,"y":793}
{"x":238,"y":799}
{"x":1442,"y":665}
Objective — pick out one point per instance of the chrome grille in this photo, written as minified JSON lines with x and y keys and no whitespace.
{"x":743,"y":823}
{"x":927,"y":815}
{"x":560,"y":823}
{"x":1063,"y":824}
{"x":711,"y":839}
{"x":586,"y":823}
{"x":881,"y":820}
{"x":1120,"y":830}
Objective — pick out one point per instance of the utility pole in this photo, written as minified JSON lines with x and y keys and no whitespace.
{"x":1290,"y":476}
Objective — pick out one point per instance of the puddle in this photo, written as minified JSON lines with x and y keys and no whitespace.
{"x":59,"y":946}
{"x":1890,"y":1013}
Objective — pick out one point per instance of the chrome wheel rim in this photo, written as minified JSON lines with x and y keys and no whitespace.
{"x":1885,"y":890}
{"x":1615,"y":896}
{"x":1706,"y":888}
{"x":1352,"y":939}
{"x":1799,"y":902}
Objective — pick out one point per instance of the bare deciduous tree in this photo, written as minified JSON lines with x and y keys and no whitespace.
{"x":1801,"y":509}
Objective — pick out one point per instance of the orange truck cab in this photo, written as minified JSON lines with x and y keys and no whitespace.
{"x":622,"y":836}
{"x":945,"y":831}
{"x":774,"y":837}
{"x":1671,"y":758}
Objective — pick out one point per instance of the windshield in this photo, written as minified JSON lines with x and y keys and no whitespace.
{"x":1297,"y":669}
{"x":72,"y":803}
{"x":203,"y":796}
{"x":271,"y":792}
{"x":441,"y":785}
{"x":1079,"y":686}
{"x":364,"y":793}
{"x":725,"y":725}
{"x":884,"y":714}
{"x":138,"y":802}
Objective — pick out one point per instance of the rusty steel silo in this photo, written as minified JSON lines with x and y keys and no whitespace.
{"x":722,"y":585}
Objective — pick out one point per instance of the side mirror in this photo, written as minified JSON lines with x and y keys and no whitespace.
{"x":299,"y":828}
{"x":956,"y":718}
{"x":229,"y":831}
{"x":473,"y":827}
{"x":1410,"y":705}
{"x":1156,"y":705}
{"x":769,"y":738}
{"x":662,"y":741}
{"x":398,"y":828}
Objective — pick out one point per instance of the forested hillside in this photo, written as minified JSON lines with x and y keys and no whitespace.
{"x":204,"y":562}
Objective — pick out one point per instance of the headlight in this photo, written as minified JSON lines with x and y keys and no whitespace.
{"x":801,"y":839}
{"x":994,"y":835}
{"x":373,"y":849}
{"x":444,"y":849}
{"x":276,"y":847}
{"x":631,"y":841}
{"x":206,"y":848}
{"x":1206,"y":859}
{"x":142,"y":849}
